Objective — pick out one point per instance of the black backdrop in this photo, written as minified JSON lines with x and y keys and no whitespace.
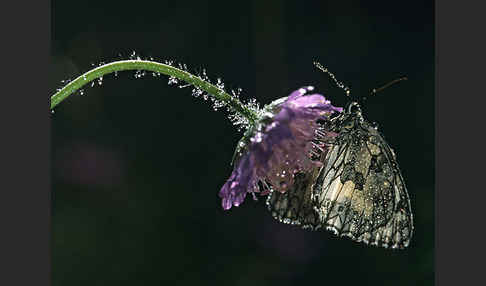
{"x":137,"y":164}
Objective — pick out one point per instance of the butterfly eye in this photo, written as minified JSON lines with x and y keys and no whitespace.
{"x":354,"y":108}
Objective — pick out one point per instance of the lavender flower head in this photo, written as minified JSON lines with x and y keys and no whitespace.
{"x":278,"y":146}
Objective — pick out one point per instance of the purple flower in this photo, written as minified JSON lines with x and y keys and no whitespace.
{"x":279,"y":146}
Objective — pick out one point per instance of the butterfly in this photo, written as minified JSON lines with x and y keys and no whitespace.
{"x":358,"y":192}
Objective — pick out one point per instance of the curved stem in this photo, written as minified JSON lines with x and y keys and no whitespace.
{"x":152,"y":66}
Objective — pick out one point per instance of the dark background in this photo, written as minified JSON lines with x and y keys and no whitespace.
{"x":137,"y":165}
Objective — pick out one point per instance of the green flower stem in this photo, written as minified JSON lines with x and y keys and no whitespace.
{"x":152,"y":66}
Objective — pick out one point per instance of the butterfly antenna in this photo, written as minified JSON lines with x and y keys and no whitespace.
{"x":331,"y":75}
{"x":376,"y":90}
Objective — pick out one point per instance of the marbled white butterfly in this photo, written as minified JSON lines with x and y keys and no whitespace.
{"x":358,"y":192}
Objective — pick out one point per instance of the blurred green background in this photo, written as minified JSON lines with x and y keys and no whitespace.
{"x":135,"y":184}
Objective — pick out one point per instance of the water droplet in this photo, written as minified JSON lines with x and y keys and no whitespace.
{"x":173,"y":80}
{"x":196,"y":92}
{"x":219,"y":83}
{"x":139,"y":74}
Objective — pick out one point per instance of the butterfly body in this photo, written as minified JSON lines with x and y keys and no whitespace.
{"x":358,"y":191}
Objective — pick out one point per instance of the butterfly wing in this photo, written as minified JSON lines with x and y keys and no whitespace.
{"x":296,"y":205}
{"x":360,"y":192}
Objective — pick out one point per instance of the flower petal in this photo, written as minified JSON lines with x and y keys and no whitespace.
{"x":280,"y":148}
